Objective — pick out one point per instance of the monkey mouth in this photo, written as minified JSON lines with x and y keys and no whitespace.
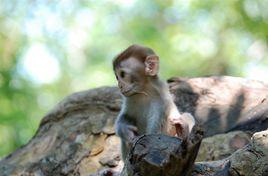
{"x":126,"y":92}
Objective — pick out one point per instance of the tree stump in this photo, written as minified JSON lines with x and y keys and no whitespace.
{"x":163,"y":155}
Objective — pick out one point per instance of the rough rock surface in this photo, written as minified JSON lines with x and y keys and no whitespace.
{"x":77,"y":136}
{"x":221,"y":146}
{"x":223,"y":103}
{"x":251,"y":160}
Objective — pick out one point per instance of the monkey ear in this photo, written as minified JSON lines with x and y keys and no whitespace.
{"x":151,"y":65}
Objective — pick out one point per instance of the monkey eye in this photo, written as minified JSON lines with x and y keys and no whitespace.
{"x":122,"y":74}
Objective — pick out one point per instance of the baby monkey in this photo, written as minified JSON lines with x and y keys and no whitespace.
{"x":148,"y":107}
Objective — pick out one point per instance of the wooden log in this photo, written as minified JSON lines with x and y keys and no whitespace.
{"x":163,"y":155}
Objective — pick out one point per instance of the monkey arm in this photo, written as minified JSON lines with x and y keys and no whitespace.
{"x":126,"y":130}
{"x":154,"y":127}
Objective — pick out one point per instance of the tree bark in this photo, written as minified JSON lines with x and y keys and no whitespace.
{"x":163,"y":155}
{"x":77,"y":136}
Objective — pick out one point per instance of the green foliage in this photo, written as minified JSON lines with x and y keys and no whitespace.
{"x":192,"y":38}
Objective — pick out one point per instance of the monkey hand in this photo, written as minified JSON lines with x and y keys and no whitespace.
{"x":175,"y":117}
{"x":183,"y":124}
{"x":127,"y":132}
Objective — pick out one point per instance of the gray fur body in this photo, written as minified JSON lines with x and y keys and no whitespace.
{"x":147,"y":107}
{"x":148,"y":113}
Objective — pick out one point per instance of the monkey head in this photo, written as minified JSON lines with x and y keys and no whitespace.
{"x":134,"y":68}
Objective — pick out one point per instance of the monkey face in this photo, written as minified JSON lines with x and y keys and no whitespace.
{"x":131,"y":77}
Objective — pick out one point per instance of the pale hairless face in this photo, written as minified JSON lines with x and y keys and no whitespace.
{"x":131,"y":76}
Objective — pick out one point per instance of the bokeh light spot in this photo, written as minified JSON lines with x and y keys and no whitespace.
{"x":39,"y":65}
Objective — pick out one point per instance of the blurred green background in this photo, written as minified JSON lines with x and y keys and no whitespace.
{"x":49,"y":48}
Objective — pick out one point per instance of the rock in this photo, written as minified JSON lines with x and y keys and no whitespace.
{"x":251,"y":160}
{"x":221,"y":146}
{"x":72,"y":138}
{"x":111,"y":156}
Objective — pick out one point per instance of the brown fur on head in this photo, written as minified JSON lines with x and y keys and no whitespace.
{"x":134,"y":69}
{"x":137,"y":51}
